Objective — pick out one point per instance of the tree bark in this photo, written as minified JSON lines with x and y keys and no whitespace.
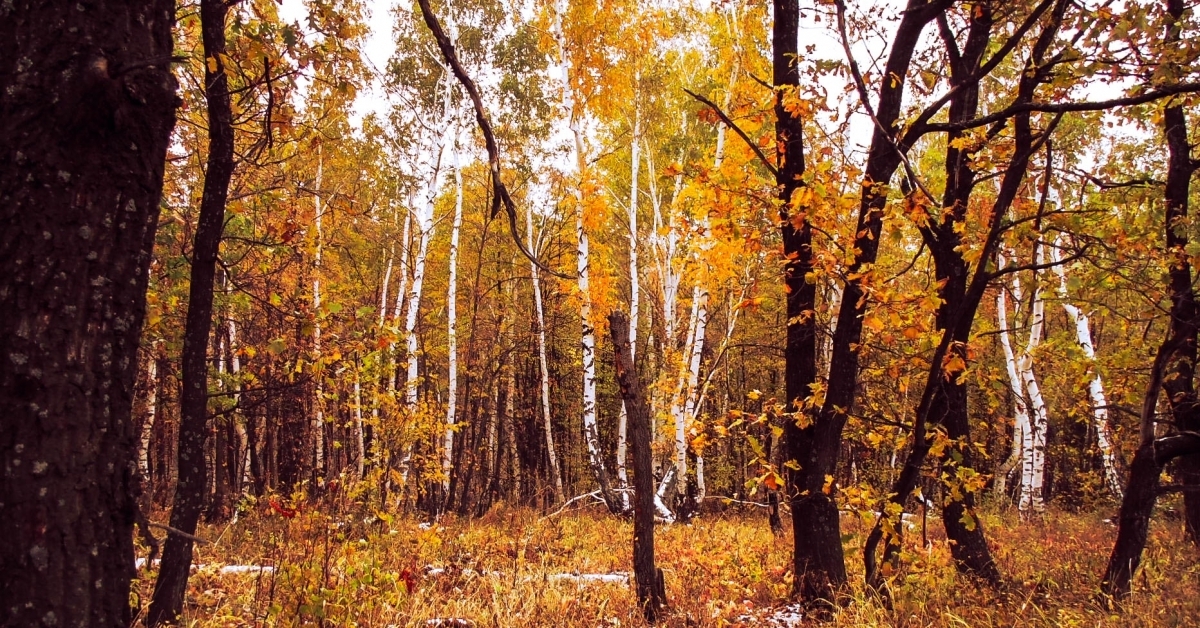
{"x":1016,"y":389}
{"x":820,"y":562}
{"x":424,"y":225}
{"x":452,"y":331}
{"x":318,"y":419}
{"x":171,"y":586}
{"x":147,"y":428}
{"x":1185,"y":314}
{"x":943,"y":400}
{"x":651,"y":596}
{"x":1083,"y":336}
{"x":543,"y":367}
{"x":634,"y":295}
{"x":591,"y":434}
{"x":1141,"y":491}
{"x":88,"y":102}
{"x":1174,"y":366}
{"x":1033,"y":441}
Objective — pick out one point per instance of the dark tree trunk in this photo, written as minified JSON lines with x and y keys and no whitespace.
{"x":1133,"y":523}
{"x":87,"y":105}
{"x":820,"y":565}
{"x":943,"y":401}
{"x":1142,"y":490}
{"x":817,"y":556}
{"x":968,"y":545}
{"x":651,"y":596}
{"x":1179,"y":384}
{"x":1174,"y":366}
{"x":171,"y":585}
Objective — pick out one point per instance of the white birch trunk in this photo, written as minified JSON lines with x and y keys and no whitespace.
{"x":731,"y":316}
{"x":665,"y":246}
{"x":389,"y":361}
{"x":383,"y":360}
{"x":424,"y":226}
{"x":452,"y":328}
{"x":1016,"y":384}
{"x":634,"y":298}
{"x":148,"y":422}
{"x":1083,"y":335}
{"x":510,"y":426}
{"x":660,"y":495}
{"x":405,"y":271}
{"x":680,"y":401}
{"x":239,"y":421}
{"x":587,"y":332}
{"x":385,"y":284}
{"x":544,"y":371}
{"x":493,"y":458}
{"x":835,"y":301}
{"x":359,"y":441}
{"x":694,"y":347}
{"x":1033,"y":466}
{"x":318,"y":421}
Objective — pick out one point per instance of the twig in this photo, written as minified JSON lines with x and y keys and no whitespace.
{"x":568,"y":503}
{"x":865,"y":97}
{"x":177,"y":532}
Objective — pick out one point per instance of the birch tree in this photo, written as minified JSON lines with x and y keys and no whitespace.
{"x":318,"y":420}
{"x":543,"y":367}
{"x":1033,"y":440}
{"x":572,"y":111}
{"x":1083,"y":336}
{"x":634,"y":296}
{"x":1016,"y":388}
{"x":452,"y":327}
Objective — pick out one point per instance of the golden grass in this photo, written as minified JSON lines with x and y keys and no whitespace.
{"x":339,"y":570}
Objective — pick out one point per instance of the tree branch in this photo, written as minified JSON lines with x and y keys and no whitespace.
{"x":736,"y":129}
{"x":1066,"y":107}
{"x":500,"y":195}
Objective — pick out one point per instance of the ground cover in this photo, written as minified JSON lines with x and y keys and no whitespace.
{"x":518,"y":567}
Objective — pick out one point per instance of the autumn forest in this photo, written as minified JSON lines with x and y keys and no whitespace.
{"x":599,"y":312}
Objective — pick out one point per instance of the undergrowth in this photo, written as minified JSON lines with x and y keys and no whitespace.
{"x":350,"y":569}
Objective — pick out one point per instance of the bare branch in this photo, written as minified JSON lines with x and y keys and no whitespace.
{"x":1067,"y":107}
{"x":500,"y":195}
{"x":736,"y":129}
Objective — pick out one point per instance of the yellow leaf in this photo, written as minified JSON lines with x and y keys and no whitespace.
{"x":212,"y":65}
{"x":953,"y":364}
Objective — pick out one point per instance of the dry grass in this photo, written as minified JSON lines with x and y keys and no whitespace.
{"x":342,"y":570}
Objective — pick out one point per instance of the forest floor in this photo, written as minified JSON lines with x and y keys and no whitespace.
{"x":507,"y":569}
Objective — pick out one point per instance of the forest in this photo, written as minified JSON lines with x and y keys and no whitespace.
{"x":599,"y":313}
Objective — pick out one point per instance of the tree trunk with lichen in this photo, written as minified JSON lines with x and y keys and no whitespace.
{"x":88,"y":102}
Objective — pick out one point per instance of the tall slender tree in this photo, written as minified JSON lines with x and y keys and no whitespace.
{"x":171,"y":585}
